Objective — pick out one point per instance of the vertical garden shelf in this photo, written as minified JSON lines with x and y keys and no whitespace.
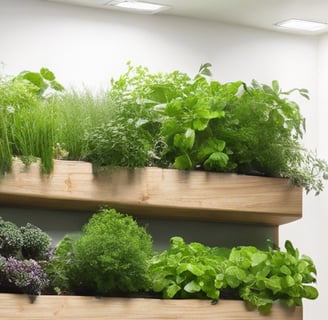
{"x":156,"y":193}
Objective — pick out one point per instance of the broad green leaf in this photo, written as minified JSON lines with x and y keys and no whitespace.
{"x":47,"y":74}
{"x":172,"y":290}
{"x":258,"y":258}
{"x":285,"y":270}
{"x":192,"y":287}
{"x":194,"y":269}
{"x":200,"y":124}
{"x":56,"y":85}
{"x":273,"y":284}
{"x":185,"y":141}
{"x":217,"y":160}
{"x":289,"y":281}
{"x":182,"y":162}
{"x":310,"y":292}
{"x":35,"y":78}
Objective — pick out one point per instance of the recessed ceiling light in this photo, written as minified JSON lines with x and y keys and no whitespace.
{"x":302,"y":25}
{"x":139,"y":6}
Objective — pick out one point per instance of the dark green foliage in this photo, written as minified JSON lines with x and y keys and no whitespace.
{"x":111,"y":257}
{"x":119,"y":144}
{"x":259,"y":277}
{"x":36,"y":243}
{"x":11,"y":239}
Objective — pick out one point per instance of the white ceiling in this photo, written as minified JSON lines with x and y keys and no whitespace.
{"x":252,"y":13}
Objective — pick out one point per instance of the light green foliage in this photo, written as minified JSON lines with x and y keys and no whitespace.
{"x":188,"y":270}
{"x":77,"y":114}
{"x":264,"y":277}
{"x":36,"y":243}
{"x":111,"y":257}
{"x":11,"y":239}
{"x":26,"y":124}
{"x":159,"y":119}
{"x":42,"y":81}
{"x":258,"y":277}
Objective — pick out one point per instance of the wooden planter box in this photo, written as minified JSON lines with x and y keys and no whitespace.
{"x":15,"y":306}
{"x":154,"y":192}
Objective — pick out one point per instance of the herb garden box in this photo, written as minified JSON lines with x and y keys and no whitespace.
{"x":154,"y":192}
{"x":14,"y":306}
{"x":148,"y":192}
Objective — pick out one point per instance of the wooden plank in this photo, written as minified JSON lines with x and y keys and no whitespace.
{"x":154,"y":192}
{"x":15,"y":306}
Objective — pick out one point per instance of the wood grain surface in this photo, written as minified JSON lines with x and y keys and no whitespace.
{"x":15,"y":306}
{"x":154,"y":192}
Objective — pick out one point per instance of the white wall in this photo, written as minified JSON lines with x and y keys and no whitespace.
{"x":88,"y":46}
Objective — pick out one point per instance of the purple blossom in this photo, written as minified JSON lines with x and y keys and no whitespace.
{"x":24,"y":276}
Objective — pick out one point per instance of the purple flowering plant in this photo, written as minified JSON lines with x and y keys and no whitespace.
{"x":22,"y":276}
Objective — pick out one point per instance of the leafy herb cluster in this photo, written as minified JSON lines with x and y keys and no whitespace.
{"x":169,"y":120}
{"x":111,"y":257}
{"x":258,"y":277}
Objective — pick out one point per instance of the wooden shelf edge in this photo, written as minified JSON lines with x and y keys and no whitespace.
{"x":155,"y":192}
{"x":14,"y":306}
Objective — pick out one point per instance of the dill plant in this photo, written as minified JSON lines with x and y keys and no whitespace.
{"x":77,"y":113}
{"x":110,"y":258}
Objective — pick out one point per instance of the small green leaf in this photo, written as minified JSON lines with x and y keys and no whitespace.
{"x":275,"y":86}
{"x":56,"y":86}
{"x":47,"y":74}
{"x":310,"y":292}
{"x":216,"y":160}
{"x":172,"y":290}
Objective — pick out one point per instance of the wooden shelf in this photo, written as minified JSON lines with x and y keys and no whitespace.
{"x":154,"y":192}
{"x":15,"y":306}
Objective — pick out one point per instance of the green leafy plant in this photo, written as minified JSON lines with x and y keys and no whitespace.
{"x":188,"y":270}
{"x":258,"y":277}
{"x":42,"y":80}
{"x":111,"y":257}
{"x":26,"y":124}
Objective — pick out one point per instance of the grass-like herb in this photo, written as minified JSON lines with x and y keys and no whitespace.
{"x":77,"y":113}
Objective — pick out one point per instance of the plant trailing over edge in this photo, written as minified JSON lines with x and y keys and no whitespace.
{"x":258,"y":277}
{"x":227,"y":127}
{"x":110,"y":258}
